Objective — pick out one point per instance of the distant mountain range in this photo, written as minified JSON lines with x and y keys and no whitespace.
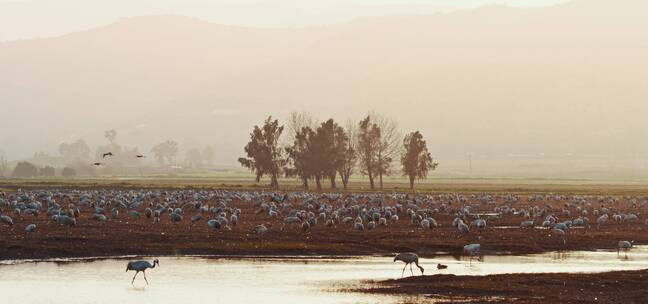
{"x":571,"y":78}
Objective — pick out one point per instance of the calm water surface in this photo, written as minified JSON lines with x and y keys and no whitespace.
{"x":264,"y":280}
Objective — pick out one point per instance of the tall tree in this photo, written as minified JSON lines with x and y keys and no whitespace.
{"x":415,"y":159}
{"x":388,"y":147}
{"x":329,"y":146}
{"x":264,"y":156}
{"x":368,"y":145}
{"x":348,"y":156}
{"x":300,"y":156}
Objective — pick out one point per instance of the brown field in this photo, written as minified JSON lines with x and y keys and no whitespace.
{"x":127,"y":236}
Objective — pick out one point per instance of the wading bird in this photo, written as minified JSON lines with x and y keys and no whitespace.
{"x":141,"y":266}
{"x":408,"y":258}
{"x":471,"y":250}
{"x":625,"y":246}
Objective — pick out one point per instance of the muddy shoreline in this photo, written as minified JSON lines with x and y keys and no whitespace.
{"x":92,"y":239}
{"x":606,"y":287}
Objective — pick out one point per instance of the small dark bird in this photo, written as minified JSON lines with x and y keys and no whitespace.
{"x":140,"y":156}
{"x":107,"y":154}
{"x":441,"y":266}
{"x":98,"y":164}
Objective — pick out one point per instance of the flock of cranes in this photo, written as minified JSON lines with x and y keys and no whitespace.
{"x":303,"y":212}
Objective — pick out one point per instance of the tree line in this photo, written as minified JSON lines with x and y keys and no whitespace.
{"x":324,"y":151}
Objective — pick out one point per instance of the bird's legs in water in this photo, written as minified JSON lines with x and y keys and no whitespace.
{"x":133,"y":281}
{"x":144,"y":272}
{"x":403,"y":273}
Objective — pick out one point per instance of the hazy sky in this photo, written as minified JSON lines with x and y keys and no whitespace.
{"x":23,"y":19}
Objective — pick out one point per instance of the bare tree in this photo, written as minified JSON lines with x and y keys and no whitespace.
{"x":297,"y":121}
{"x":349,"y":154}
{"x":415,"y":159}
{"x":368,"y":146}
{"x":388,"y":147}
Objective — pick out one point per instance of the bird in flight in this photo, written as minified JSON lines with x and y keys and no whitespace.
{"x":107,"y":154}
{"x":140,"y":156}
{"x":98,"y":164}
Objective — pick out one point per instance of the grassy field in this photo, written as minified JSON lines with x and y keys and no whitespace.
{"x":236,"y":180}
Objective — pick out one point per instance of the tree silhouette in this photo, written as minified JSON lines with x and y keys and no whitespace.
{"x":47,"y":171}
{"x":300,"y":156}
{"x":25,"y":169}
{"x":330,"y":141}
{"x":348,"y":149}
{"x":368,"y":146}
{"x":415,"y":159}
{"x":165,"y":152}
{"x":388,"y":147}
{"x":264,"y":156}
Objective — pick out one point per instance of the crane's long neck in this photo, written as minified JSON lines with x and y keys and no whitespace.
{"x":153,"y":265}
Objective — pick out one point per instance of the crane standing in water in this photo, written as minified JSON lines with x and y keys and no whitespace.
{"x":408,"y":258}
{"x":141,"y":266}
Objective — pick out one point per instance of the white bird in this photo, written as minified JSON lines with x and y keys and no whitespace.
{"x":408,"y":258}
{"x":6,"y":219}
{"x":30,"y":228}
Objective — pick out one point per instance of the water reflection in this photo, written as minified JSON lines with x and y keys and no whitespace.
{"x":265,"y":280}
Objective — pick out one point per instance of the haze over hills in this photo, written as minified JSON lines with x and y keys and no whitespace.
{"x":566,"y":79}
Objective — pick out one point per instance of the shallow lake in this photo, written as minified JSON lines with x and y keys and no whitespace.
{"x":264,"y":280}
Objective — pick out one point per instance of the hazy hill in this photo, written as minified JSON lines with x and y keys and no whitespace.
{"x":566,"y":79}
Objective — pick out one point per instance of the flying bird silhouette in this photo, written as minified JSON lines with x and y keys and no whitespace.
{"x":140,"y":156}
{"x":107,"y":154}
{"x":98,"y":164}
